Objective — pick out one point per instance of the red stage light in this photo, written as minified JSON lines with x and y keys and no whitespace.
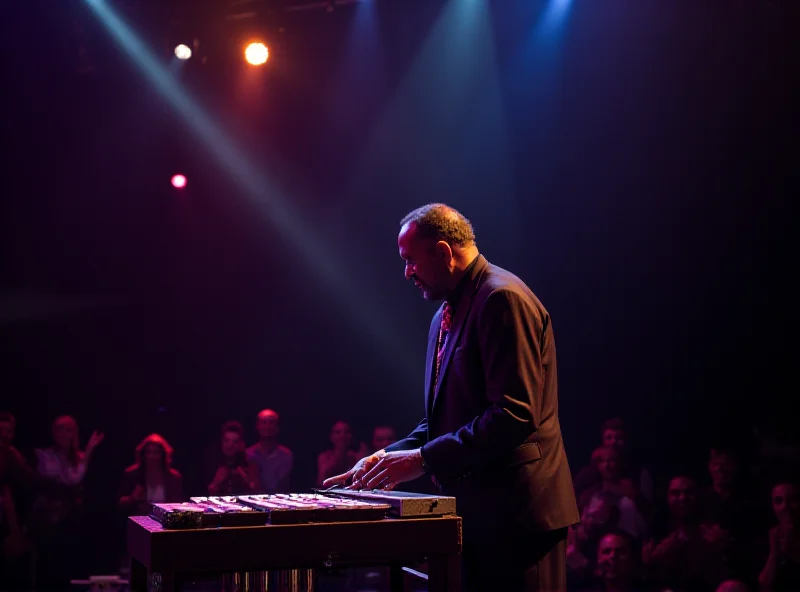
{"x":179,"y":181}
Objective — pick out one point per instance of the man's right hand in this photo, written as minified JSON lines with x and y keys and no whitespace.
{"x":357,"y":472}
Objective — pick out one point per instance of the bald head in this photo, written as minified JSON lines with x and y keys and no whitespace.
{"x":267,"y":424}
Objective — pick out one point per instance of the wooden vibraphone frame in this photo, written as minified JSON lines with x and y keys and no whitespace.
{"x":162,"y":559}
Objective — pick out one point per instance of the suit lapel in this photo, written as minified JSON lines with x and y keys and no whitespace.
{"x":452,"y":339}
{"x":430,"y":359}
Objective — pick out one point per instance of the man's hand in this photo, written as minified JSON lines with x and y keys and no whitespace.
{"x":392,"y":469}
{"x":357,"y":472}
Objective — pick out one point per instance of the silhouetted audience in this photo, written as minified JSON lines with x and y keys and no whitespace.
{"x":271,"y":464}
{"x":717,"y":538}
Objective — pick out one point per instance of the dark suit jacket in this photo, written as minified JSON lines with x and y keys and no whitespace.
{"x":491,"y":434}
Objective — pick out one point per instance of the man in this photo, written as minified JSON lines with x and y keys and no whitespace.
{"x":270,"y":463}
{"x":491,"y":435}
{"x":614,"y":434}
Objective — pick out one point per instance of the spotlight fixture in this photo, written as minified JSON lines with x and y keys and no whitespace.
{"x":256,"y":54}
{"x":182,"y":52}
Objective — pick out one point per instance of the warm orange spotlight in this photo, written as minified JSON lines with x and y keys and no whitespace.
{"x":256,"y":54}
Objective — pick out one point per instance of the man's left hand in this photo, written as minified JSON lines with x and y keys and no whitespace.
{"x":394,"y":468}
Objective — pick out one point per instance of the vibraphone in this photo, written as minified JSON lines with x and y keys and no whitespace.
{"x":277,"y":543}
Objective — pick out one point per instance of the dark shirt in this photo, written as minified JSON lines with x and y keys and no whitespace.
{"x":737,"y":514}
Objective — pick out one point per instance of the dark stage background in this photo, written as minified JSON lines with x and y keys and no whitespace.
{"x":633,"y":164}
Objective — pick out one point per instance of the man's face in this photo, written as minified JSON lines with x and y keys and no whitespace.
{"x":682,"y":497}
{"x":231,"y":444}
{"x":267,"y":424}
{"x":426,"y":266}
{"x":722,"y":467}
{"x":382,"y":437}
{"x":614,"y":439}
{"x":608,"y":464}
{"x":65,"y":432}
{"x":6,"y":434}
{"x":614,"y":557}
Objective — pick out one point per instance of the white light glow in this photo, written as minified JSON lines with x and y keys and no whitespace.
{"x":182,"y":52}
{"x":256,"y":54}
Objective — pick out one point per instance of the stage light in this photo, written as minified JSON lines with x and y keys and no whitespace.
{"x":256,"y":54}
{"x":178,"y":181}
{"x":182,"y":52}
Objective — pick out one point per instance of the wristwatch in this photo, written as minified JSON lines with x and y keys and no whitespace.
{"x":425,"y":466}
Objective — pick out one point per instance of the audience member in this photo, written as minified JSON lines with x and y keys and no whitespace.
{"x":689,"y":555}
{"x":617,"y":567}
{"x":608,"y":462}
{"x":17,"y":481}
{"x":730,"y":503}
{"x":727,"y":501}
{"x":598,"y":518}
{"x":270,"y":463}
{"x":232,"y":475}
{"x":614,"y":434}
{"x":382,"y":436}
{"x":782,"y":569}
{"x":151,"y":479}
{"x":57,"y":518}
{"x":341,"y":457}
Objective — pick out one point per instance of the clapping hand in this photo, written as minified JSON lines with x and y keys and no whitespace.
{"x":94,"y":441}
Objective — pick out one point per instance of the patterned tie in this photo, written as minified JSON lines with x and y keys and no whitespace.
{"x":444,"y":331}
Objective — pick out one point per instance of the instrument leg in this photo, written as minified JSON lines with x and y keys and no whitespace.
{"x":444,"y":573}
{"x":396,"y":579}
